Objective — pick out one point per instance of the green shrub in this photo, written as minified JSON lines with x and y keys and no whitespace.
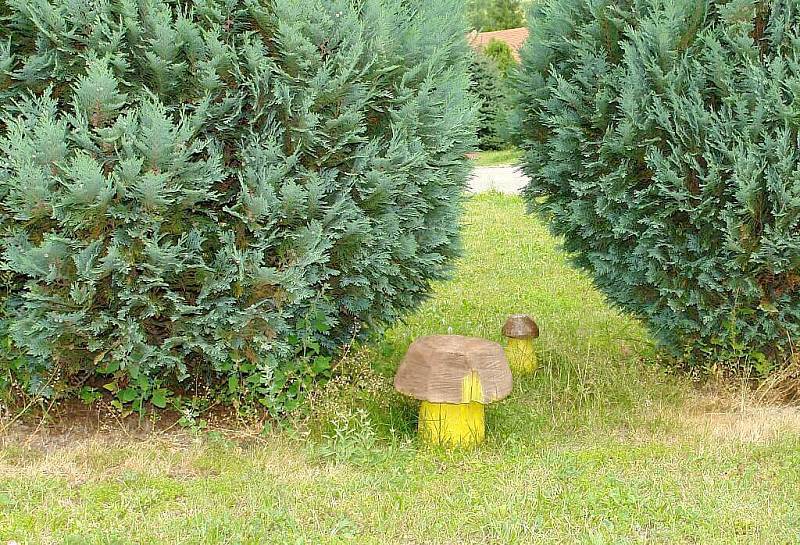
{"x":500,"y":52}
{"x":489,"y":88}
{"x":221,"y":194}
{"x":662,"y":143}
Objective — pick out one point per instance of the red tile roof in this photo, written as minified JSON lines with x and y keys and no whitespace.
{"x":514,"y":37}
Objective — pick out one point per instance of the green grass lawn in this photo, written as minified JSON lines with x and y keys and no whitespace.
{"x":497,"y":158}
{"x":601,"y":445}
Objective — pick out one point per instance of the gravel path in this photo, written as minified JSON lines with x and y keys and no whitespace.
{"x":508,"y":180}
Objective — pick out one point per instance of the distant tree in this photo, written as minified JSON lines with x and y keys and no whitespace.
{"x":505,"y":14}
{"x":500,"y":53}
{"x":489,"y":87}
{"x":489,"y":15}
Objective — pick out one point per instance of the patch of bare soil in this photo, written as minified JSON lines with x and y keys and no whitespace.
{"x":741,"y":418}
{"x":74,"y":422}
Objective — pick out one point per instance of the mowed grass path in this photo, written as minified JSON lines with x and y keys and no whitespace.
{"x":497,"y":158}
{"x":600,"y":446}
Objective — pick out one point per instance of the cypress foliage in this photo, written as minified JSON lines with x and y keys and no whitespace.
{"x":662,"y":143}
{"x":224,"y":191}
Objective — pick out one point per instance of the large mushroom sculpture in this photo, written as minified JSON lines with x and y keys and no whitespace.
{"x":454,"y":377}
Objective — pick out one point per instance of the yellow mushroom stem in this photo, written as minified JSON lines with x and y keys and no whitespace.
{"x":521,"y":356}
{"x":455,"y":424}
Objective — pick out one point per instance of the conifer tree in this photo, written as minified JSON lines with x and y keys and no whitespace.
{"x":488,"y":86}
{"x":225,"y":191}
{"x":662,"y":144}
{"x":502,"y":56}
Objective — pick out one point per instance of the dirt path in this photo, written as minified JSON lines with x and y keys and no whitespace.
{"x":509,"y":180}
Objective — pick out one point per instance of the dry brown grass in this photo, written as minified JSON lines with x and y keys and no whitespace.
{"x":736,"y":412}
{"x":781,"y":386}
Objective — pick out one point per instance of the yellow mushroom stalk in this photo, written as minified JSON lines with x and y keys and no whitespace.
{"x":458,"y":424}
{"x":521,"y":330}
{"x":455,"y":377}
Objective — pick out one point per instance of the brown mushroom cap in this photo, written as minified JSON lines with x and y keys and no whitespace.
{"x":435,"y":368}
{"x":520,"y":326}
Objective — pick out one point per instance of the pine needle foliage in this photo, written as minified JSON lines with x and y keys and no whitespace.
{"x":224,"y":192}
{"x":662,"y":143}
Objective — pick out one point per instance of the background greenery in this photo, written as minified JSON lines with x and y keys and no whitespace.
{"x":500,"y":52}
{"x":490,"y":88}
{"x":490,"y":15}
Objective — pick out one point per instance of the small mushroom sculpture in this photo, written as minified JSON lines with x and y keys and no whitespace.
{"x":454,"y":377}
{"x":521,"y":330}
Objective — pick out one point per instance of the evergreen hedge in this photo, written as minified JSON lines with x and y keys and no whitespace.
{"x":662,"y":143}
{"x":223,"y":192}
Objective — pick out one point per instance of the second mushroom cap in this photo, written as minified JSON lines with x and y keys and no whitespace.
{"x":520,"y":326}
